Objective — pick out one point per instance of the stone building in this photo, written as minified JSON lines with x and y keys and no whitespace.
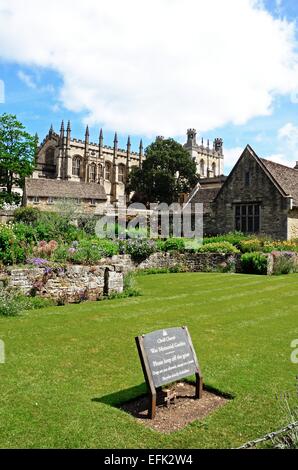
{"x":209,"y":161}
{"x":94,"y":174}
{"x":259,"y":196}
{"x":62,"y":158}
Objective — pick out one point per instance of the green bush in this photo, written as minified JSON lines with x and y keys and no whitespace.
{"x":27,"y":215}
{"x":220,"y":247}
{"x":140,"y":249}
{"x":10,"y":198}
{"x":24,"y":232}
{"x":13,"y":303}
{"x":174,"y":244}
{"x":11,"y":250}
{"x":85,"y":251}
{"x":233,"y":237}
{"x":254,"y":263}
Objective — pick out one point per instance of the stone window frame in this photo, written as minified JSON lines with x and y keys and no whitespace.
{"x":100,"y":170}
{"x":50,"y":201}
{"x":93,"y":174}
{"x":121,"y":174}
{"x":202,"y":167}
{"x":213,"y":166}
{"x":50,"y":161}
{"x":108,"y":171}
{"x":76,"y":169}
{"x":247,"y":215}
{"x":93,"y":202}
{"x":36,"y":200}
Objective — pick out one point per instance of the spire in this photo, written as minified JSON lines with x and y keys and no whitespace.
{"x":101,"y":138}
{"x":116,"y":139}
{"x":51,"y":131}
{"x":68,"y":132}
{"x":141,"y":152}
{"x":87,"y":135}
{"x":62,"y":131}
{"x":128,"y":143}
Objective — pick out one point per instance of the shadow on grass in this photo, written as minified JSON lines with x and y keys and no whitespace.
{"x":117,"y":399}
{"x":139,"y":394}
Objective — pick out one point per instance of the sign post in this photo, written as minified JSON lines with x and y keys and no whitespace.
{"x":167,"y":356}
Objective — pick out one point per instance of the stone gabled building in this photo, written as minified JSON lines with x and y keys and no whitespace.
{"x":259,"y":196}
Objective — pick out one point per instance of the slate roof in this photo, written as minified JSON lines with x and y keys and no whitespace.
{"x":205,"y":195}
{"x":64,"y":189}
{"x":285,"y":177}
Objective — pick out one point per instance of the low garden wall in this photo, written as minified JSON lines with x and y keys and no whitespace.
{"x":74,"y":283}
{"x":71,"y":284}
{"x":187,"y":262}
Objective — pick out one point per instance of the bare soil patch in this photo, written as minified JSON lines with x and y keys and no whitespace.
{"x":178,"y":414}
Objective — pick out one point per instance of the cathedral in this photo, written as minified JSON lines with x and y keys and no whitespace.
{"x":95,"y":175}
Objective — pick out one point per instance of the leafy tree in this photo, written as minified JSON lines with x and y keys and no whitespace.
{"x":17,"y":152}
{"x":167,"y":171}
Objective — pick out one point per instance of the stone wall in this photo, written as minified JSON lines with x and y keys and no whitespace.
{"x":293,"y":224}
{"x":6,"y":216}
{"x":188,"y":262}
{"x":69,"y":285}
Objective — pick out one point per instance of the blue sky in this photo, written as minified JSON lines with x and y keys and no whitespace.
{"x":147,"y":82}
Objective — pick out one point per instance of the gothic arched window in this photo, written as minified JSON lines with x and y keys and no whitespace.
{"x":202,"y":168}
{"x":92,"y":173}
{"x":50,"y":157}
{"x":76,"y":166}
{"x":108,"y":171}
{"x":121,"y":173}
{"x":100,"y":171}
{"x":214,"y":169}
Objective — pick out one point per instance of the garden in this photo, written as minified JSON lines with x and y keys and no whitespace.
{"x":52,"y":241}
{"x":69,"y":370}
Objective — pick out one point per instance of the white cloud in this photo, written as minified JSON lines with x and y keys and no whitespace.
{"x":159,"y":66}
{"x":287,"y":146}
{"x":27,"y":79}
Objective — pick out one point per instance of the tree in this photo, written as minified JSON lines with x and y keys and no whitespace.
{"x":17,"y":153}
{"x":167,"y":171}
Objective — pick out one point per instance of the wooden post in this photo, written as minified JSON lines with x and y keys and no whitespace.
{"x":148,"y":377}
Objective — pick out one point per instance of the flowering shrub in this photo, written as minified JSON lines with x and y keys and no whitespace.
{"x":46,"y":248}
{"x":140,"y":249}
{"x":270,"y":246}
{"x":221,"y":247}
{"x":38,"y":262}
{"x":250,"y":245}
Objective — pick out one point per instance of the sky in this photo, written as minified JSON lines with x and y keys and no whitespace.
{"x":144,"y":68}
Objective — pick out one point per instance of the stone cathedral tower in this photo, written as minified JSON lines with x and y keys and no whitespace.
{"x":209,"y":160}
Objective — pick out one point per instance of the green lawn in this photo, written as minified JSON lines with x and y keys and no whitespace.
{"x":67,"y":368}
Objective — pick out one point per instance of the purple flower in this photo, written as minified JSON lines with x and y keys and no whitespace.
{"x":71,"y":251}
{"x":39,"y":262}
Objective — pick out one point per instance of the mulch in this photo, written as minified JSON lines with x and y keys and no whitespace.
{"x":178,"y":414}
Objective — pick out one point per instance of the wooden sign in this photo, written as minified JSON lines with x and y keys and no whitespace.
{"x":168,"y":356}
